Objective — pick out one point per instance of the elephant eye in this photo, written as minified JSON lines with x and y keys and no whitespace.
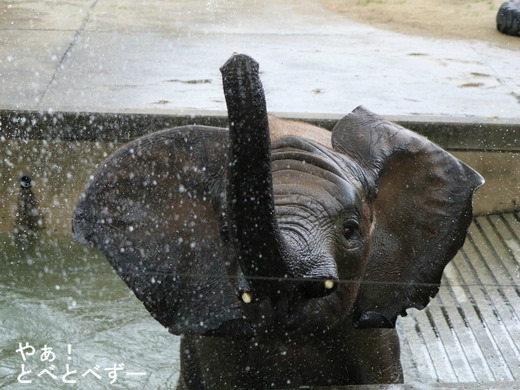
{"x":349,"y":229}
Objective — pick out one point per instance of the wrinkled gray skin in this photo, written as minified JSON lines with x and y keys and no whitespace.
{"x":194,"y":217}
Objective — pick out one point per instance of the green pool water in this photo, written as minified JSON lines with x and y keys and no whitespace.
{"x":62,"y":301}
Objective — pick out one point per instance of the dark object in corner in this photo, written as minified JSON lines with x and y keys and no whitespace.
{"x":508,"y":18}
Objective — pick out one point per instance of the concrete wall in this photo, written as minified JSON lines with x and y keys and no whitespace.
{"x":61,"y":150}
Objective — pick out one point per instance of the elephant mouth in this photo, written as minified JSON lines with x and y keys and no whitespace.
{"x":290,"y":313}
{"x":316,"y":313}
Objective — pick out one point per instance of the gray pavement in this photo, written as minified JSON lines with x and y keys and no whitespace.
{"x":163,"y":57}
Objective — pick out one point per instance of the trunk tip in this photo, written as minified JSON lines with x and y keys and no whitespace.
{"x":240,"y":61}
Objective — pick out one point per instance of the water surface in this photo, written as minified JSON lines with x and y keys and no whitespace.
{"x":64,"y":300}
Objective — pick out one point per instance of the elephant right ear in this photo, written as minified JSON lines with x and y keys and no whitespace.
{"x":154,"y":208}
{"x":422,"y":199}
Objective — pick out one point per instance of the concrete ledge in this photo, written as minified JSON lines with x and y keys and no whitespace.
{"x":492,"y":147}
{"x":462,"y":134}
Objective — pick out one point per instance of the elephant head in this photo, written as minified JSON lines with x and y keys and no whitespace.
{"x":218,"y":232}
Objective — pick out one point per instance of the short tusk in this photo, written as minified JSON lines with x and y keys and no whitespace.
{"x":329,"y":284}
{"x":247,"y":297}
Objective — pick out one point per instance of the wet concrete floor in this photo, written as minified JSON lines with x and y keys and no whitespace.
{"x":163,"y":57}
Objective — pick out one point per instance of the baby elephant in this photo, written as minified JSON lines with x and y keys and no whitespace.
{"x":282,"y":253}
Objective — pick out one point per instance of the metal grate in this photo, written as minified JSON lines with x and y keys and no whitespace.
{"x":470,"y":332}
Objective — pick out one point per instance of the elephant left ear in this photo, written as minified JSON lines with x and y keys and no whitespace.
{"x":422,"y":199}
{"x":154,"y":208}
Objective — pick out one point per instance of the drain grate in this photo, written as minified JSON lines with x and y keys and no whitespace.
{"x":470,"y":332}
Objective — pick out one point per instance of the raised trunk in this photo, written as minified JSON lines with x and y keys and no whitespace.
{"x":252,"y":226}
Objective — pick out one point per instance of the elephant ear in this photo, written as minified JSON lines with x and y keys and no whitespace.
{"x":422,"y":199}
{"x":154,"y":209}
